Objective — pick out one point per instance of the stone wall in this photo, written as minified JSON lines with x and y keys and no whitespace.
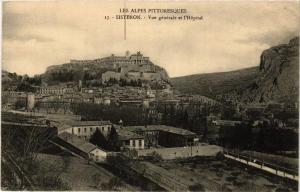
{"x":183,"y":152}
{"x":110,"y":75}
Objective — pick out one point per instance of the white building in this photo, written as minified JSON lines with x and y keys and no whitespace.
{"x":56,"y":90}
{"x":84,"y":129}
{"x":131,"y":140}
{"x":98,"y":155}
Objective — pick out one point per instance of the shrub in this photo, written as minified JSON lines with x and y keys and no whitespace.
{"x":220,"y":156}
{"x":197,"y":187}
{"x":154,"y":156}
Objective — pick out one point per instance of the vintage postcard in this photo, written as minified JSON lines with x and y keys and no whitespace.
{"x":132,"y":95}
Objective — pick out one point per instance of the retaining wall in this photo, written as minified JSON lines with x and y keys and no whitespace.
{"x":182,"y":152}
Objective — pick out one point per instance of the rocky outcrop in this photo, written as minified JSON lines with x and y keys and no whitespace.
{"x":276,"y":79}
{"x":92,"y":70}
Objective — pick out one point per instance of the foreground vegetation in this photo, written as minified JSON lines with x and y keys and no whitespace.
{"x":225,"y":175}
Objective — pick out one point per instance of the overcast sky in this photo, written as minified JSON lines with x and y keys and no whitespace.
{"x":231,"y":35}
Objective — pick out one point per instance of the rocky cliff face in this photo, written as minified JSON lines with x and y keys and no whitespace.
{"x":278,"y":78}
{"x":275,"y":79}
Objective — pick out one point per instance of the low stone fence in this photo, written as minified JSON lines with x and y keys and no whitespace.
{"x":182,"y":152}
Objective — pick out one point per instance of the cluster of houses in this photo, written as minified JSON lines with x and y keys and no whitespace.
{"x":75,"y":137}
{"x":164,"y":136}
{"x":128,"y":67}
{"x":48,"y":98}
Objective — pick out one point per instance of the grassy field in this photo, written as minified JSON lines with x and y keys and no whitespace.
{"x":225,"y":175}
{"x":81,"y":176}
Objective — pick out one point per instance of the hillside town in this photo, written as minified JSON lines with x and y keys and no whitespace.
{"x":123,"y":95}
{"x":132,"y":125}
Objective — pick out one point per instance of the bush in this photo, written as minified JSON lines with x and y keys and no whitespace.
{"x":220,"y":156}
{"x":197,"y":187}
{"x":154,"y":156}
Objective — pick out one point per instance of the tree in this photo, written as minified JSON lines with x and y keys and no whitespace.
{"x":25,"y":86}
{"x":21,"y":145}
{"x":98,"y":139}
{"x":114,"y":144}
{"x":49,"y":174}
{"x":185,"y":119}
{"x":20,"y":104}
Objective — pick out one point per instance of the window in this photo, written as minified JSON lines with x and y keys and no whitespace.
{"x":91,"y":129}
{"x":102,"y":129}
{"x":85,"y":130}
{"x":78,"y":130}
{"x":133,"y":143}
{"x":140,"y":143}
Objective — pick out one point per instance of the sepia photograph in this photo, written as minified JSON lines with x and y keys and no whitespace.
{"x":143,"y":95}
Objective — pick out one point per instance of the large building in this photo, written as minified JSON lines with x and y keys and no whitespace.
{"x":129,"y":67}
{"x":84,"y":129}
{"x":118,"y":61}
{"x":166,"y":136}
{"x":55,"y":90}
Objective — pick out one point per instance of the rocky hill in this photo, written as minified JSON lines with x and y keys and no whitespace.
{"x":275,"y":79}
{"x":129,"y":67}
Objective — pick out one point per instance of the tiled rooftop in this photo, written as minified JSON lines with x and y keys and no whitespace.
{"x":174,"y":130}
{"x":126,"y":135}
{"x":76,"y":142}
{"x":164,"y":128}
{"x":90,"y":123}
